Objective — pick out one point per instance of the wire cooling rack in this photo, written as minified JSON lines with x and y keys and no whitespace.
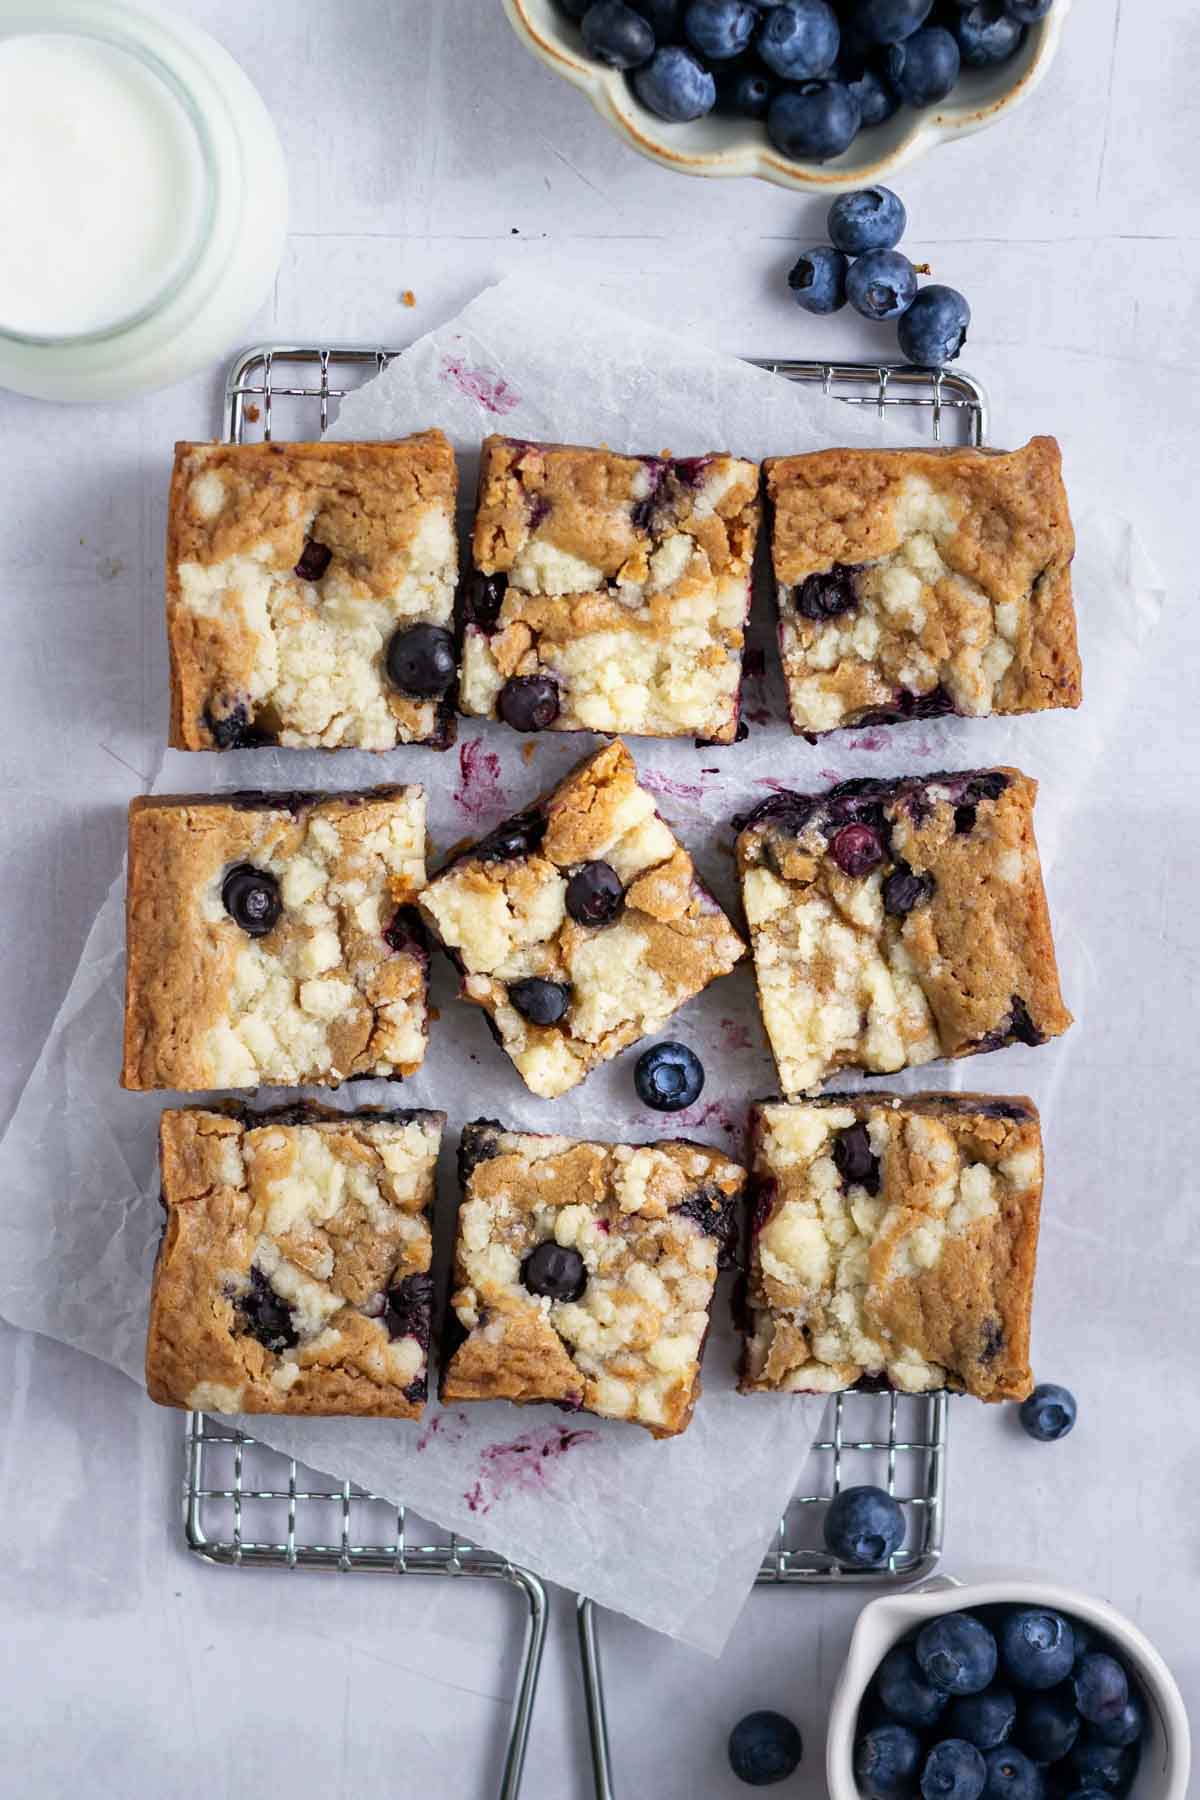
{"x":247,"y":1506}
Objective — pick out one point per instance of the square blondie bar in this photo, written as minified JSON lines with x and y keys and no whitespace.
{"x":584,"y":1272}
{"x":609,"y":593}
{"x":293,"y":1274}
{"x":893,"y":922}
{"x":579,"y":926}
{"x":270,"y":938}
{"x":310,"y":594}
{"x":912,"y":583}
{"x":893,"y":1238}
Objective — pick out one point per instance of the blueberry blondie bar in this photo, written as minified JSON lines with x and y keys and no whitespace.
{"x":579,"y":926}
{"x":609,"y":593}
{"x":271,"y":938}
{"x":912,"y":583}
{"x":293,"y":1272}
{"x":584,"y":1273}
{"x":893,"y":922}
{"x":895,"y":1239}
{"x":310,"y":594}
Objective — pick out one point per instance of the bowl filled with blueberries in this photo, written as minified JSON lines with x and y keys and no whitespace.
{"x":1005,"y":1690}
{"x":810,"y":94}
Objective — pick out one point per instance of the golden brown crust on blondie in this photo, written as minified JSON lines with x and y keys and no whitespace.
{"x":323,"y":996}
{"x":920,"y":1270}
{"x":960,"y":561}
{"x":303,"y":659}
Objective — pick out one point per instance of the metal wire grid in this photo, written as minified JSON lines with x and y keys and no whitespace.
{"x":217,"y":1512}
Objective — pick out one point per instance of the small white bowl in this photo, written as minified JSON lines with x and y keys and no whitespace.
{"x":1166,"y":1751}
{"x":720,"y":145}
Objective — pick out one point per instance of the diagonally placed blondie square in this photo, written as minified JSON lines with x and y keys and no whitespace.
{"x":893,"y":1238}
{"x":609,"y":593}
{"x":912,"y":583}
{"x":584,"y":1272}
{"x":894,"y":922}
{"x":579,"y":926}
{"x":293,"y":1274}
{"x":310,"y":594}
{"x":270,"y":939}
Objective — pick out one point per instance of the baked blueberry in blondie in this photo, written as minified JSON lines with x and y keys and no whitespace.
{"x":609,"y":593}
{"x":293,"y":1274}
{"x":310,"y":594}
{"x":894,"y":922}
{"x":272,"y":938}
{"x":912,"y":583}
{"x":579,"y":926}
{"x":894,"y":1238}
{"x":584,"y":1272}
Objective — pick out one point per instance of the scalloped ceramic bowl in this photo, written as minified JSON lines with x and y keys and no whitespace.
{"x":719,"y":145}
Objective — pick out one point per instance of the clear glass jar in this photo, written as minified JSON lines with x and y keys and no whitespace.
{"x":227,"y":241}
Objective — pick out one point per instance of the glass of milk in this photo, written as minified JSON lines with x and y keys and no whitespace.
{"x":143,"y":198}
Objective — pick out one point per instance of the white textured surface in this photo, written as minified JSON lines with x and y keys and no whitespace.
{"x":1074,"y":235}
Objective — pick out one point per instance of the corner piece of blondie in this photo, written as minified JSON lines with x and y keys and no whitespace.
{"x":271,"y":939}
{"x":584,"y":1273}
{"x":609,"y":592}
{"x":893,"y":922}
{"x":579,"y":926}
{"x":912,"y":583}
{"x":293,"y":1273}
{"x":310,"y":594}
{"x":894,"y":1239}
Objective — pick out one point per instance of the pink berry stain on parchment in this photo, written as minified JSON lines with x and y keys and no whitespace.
{"x":672,"y":789}
{"x":490,"y":391}
{"x":446,"y":1427}
{"x":713,"y":1112}
{"x":479,"y":791}
{"x":524,"y":1466}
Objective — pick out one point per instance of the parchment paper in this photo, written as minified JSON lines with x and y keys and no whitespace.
{"x":670,"y":1533}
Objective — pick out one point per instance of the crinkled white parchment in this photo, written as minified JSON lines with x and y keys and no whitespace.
{"x":670,"y":1533}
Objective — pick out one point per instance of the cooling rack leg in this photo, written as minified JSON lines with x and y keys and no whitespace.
{"x":593,"y":1693}
{"x":531,"y":1663}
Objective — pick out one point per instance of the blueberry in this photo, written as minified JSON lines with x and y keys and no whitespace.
{"x":870,"y":219}
{"x":887,"y":21}
{"x":516,"y":837}
{"x":985,"y":1720}
{"x":863,"y":1526}
{"x":904,"y":891}
{"x":904,"y":1691}
{"x":675,"y":85}
{"x":924,"y":67}
{"x":1103,"y":1768}
{"x":529,"y":702}
{"x":420,"y":661}
{"x":617,"y":35}
{"x":1126,"y":1728}
{"x":877,"y":99}
{"x":827,"y":595}
{"x":1048,"y":1725}
{"x":541,"y":1002}
{"x":1049,"y":1412}
{"x":1011,"y":1776}
{"x":251,"y":898}
{"x":1028,"y":12}
{"x":853,"y":1157}
{"x":595,"y":895}
{"x":662,"y":15}
{"x":881,"y":284}
{"x":719,"y":29}
{"x":953,"y":1769}
{"x":236,"y":730}
{"x":668,"y":1077}
{"x":814,"y":121}
{"x":314,"y":560}
{"x":747,"y":92}
{"x":799,"y":40}
{"x":575,"y":9}
{"x":987,"y":33}
{"x":886,"y":1761}
{"x":764,"y":1748}
{"x":818,"y":283}
{"x":957,"y":1653}
{"x":266,"y":1316}
{"x":483,"y":596}
{"x":1101,"y":1688}
{"x":856,"y":849}
{"x":408,"y":1307}
{"x":934,"y":329}
{"x":405,"y":933}
{"x":1037,"y":1647}
{"x":554,"y":1272}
